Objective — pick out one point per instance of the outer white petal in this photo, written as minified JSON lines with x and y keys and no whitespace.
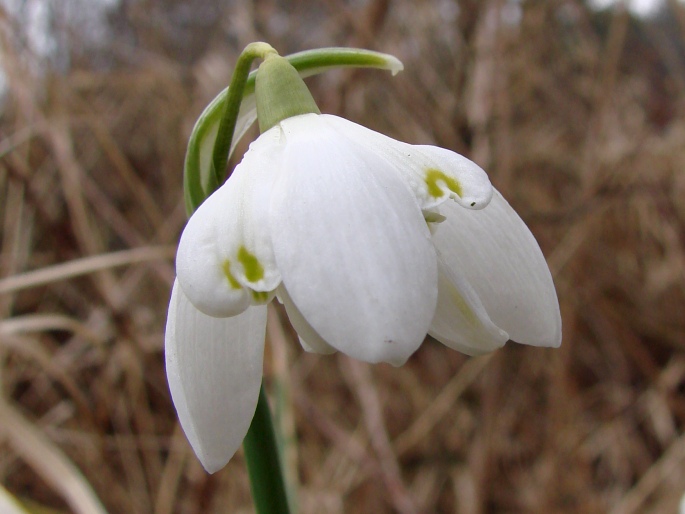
{"x":214,"y":369}
{"x":500,"y":258}
{"x":225,"y":260}
{"x":352,"y":245}
{"x":434,"y":174}
{"x":461,"y":321}
{"x":309,"y":339}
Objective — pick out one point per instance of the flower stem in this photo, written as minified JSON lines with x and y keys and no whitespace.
{"x":222,"y":145}
{"x":267,"y":480}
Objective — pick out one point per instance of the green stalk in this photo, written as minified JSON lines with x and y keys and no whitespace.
{"x":267,"y":481}
{"x":280,"y":93}
{"x":234,"y":97}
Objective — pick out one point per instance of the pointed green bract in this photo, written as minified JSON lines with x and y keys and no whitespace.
{"x":280,"y":93}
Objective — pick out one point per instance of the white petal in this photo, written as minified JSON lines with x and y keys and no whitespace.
{"x":434,"y":174}
{"x":500,"y":258}
{"x":309,"y":339}
{"x":461,"y":321}
{"x":352,"y":246}
{"x":214,"y":369}
{"x":225,"y":260}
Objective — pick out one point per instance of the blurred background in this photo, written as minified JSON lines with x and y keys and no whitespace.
{"x":576,"y":110}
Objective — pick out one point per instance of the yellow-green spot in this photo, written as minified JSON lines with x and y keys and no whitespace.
{"x":254,"y":271}
{"x":260,"y":296}
{"x":433,"y":176}
{"x":226,"y":266}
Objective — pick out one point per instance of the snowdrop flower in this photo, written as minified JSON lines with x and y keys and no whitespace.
{"x":370,"y":244}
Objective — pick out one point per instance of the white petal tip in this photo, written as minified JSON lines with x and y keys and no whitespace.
{"x":212,"y":465}
{"x":546,"y":333}
{"x":556,"y":343}
{"x":541,"y":342}
{"x":398,"y":362}
{"x":317,"y":347}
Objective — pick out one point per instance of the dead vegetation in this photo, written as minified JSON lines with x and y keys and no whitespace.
{"x":579,"y":118}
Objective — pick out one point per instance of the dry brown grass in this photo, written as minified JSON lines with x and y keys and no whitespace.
{"x":579,"y":119}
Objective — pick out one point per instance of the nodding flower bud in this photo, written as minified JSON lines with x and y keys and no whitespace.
{"x":280,"y":92}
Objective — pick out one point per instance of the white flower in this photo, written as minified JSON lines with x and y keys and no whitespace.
{"x":370,"y":244}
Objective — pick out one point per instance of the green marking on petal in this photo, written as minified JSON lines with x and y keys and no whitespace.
{"x":433,"y":176}
{"x":226,"y":267}
{"x":260,"y":296}
{"x":254,"y":271}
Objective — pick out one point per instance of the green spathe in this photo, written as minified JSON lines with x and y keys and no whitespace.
{"x":281,"y":93}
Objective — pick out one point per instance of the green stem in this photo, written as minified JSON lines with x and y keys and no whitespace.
{"x":267,"y":481}
{"x":234,"y":97}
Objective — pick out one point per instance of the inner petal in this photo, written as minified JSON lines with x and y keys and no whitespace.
{"x":206,"y":277}
{"x":225,"y":260}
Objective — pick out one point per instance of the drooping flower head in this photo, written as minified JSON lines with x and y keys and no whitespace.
{"x":370,"y":244}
